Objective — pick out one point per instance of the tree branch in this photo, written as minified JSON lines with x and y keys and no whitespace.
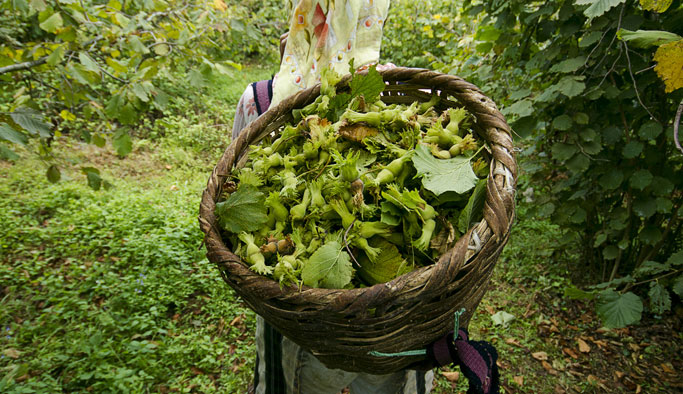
{"x":23,"y":66}
{"x":677,"y":121}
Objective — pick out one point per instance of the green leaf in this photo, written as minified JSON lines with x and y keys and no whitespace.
{"x":658,"y":6}
{"x":195,"y":78}
{"x":562,"y":152}
{"x":439,"y":176}
{"x":122,"y":142}
{"x":53,"y":174}
{"x":632,"y":149}
{"x":520,"y":108}
{"x":52,"y":23}
{"x":569,"y":65}
{"x":597,"y":7}
{"x":610,"y":253}
{"x":93,"y":175}
{"x":581,"y":118}
{"x":619,"y":310}
{"x":562,"y":122}
{"x":571,"y":86}
{"x":502,"y":318}
{"x":661,"y":186}
{"x":487,"y":33}
{"x":579,"y":163}
{"x":645,"y":207}
{"x":140,"y":92}
{"x":391,"y":214}
{"x":650,"y":130}
{"x":136,"y":45}
{"x":650,"y":235}
{"x":660,"y":301}
{"x":678,"y":286}
{"x":519,"y":94}
{"x":369,"y":85}
{"x":7,"y":133}
{"x":650,"y":268}
{"x":589,"y":39}
{"x":88,"y":62}
{"x":243,"y":210}
{"x":31,"y":121}
{"x":56,"y":56}
{"x":328,"y":267}
{"x":578,"y":294}
{"x":641,"y":179}
{"x":647,"y":38}
{"x":664,"y":205}
{"x":388,"y":265}
{"x":599,"y":239}
{"x":118,"y":66}
{"x":7,"y":153}
{"x":98,"y":140}
{"x":472,"y":210}
{"x":676,"y":259}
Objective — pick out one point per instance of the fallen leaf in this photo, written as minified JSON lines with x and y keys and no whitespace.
{"x":196,"y":370}
{"x":540,"y":356}
{"x":592,"y":380}
{"x":619,"y":374}
{"x":634,"y":347}
{"x":173,"y":187}
{"x":559,"y":390}
{"x":237,"y":320}
{"x":513,"y":341}
{"x":583,"y":346}
{"x":519,"y":380}
{"x":168,"y":166}
{"x":638,"y":389}
{"x":570,"y":353}
{"x":12,"y":353}
{"x":668,"y":368}
{"x":549,"y":368}
{"x":451,"y":376}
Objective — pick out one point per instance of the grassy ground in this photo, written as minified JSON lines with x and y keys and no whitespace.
{"x":109,"y":291}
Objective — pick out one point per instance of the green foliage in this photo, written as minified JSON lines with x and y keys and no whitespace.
{"x":109,"y":64}
{"x":619,"y":310}
{"x":243,"y":210}
{"x":576,"y":81}
{"x":328,"y":267}
{"x":109,"y":292}
{"x":440,"y":176}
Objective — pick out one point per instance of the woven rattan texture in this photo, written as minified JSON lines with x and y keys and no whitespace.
{"x":340,"y":327}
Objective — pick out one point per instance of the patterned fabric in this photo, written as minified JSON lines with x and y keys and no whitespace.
{"x":254,"y":101}
{"x":476,"y":359}
{"x":328,"y":33}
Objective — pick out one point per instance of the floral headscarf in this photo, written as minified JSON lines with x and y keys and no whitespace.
{"x":328,"y":33}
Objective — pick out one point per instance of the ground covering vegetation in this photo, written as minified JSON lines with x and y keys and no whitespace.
{"x":126,"y":106}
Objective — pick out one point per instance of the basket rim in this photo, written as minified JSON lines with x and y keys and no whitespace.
{"x":486,"y":114}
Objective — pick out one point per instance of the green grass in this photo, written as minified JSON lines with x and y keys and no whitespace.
{"x":109,"y":291}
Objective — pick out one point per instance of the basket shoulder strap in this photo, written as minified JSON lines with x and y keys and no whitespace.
{"x":263,"y":93}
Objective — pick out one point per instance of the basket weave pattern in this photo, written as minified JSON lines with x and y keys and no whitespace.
{"x":341,"y":327}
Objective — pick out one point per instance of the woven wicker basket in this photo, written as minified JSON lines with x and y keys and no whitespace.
{"x":341,"y":327}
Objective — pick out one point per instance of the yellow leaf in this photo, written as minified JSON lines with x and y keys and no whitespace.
{"x":669,"y":58}
{"x":66,"y":115}
{"x":220,"y":5}
{"x":656,"y":5}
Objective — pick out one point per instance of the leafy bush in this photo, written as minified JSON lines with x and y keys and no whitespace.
{"x":100,"y":68}
{"x":592,"y":91}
